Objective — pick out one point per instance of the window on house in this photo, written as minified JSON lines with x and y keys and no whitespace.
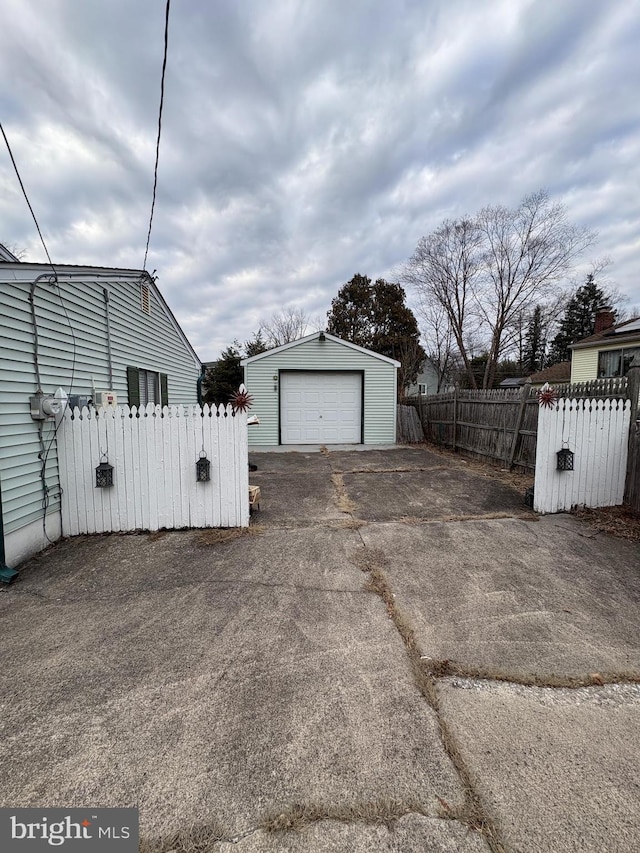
{"x":616,"y":362}
{"x":147,"y":386}
{"x":422,"y":388}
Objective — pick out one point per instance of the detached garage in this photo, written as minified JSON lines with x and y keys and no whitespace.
{"x":322,"y":390}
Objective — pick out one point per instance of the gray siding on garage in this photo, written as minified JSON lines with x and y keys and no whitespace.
{"x":379,"y":387}
{"x":141,"y":340}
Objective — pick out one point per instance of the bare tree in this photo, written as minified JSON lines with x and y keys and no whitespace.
{"x":488,"y":272}
{"x":16,"y":251}
{"x":443,"y":269}
{"x":438,"y":340}
{"x":285,"y":326}
{"x":527,"y":252}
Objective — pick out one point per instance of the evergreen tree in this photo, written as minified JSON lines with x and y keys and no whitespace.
{"x":375,"y":316}
{"x":256,"y":345}
{"x":578,"y":321}
{"x":533,"y":356}
{"x":224,"y":378}
{"x":350,"y":317}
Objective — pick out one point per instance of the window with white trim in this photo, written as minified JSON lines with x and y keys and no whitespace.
{"x":149,"y":387}
{"x":615,"y":362}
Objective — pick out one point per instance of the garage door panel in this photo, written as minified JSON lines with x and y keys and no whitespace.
{"x":320,"y":407}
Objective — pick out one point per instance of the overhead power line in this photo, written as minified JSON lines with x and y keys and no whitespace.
{"x":155,"y":171}
{"x":26,"y":198}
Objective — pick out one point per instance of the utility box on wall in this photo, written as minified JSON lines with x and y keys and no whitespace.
{"x":107,"y":399}
{"x":44,"y":406}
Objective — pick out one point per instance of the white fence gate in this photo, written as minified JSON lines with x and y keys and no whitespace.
{"x":153,"y":452}
{"x":597,"y":433}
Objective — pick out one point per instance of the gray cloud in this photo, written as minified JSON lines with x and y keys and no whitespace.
{"x":303,"y":142}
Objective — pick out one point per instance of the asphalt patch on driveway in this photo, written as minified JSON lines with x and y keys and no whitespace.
{"x":442,"y":492}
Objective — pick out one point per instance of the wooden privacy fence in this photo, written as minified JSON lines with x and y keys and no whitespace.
{"x":596,"y":431}
{"x":153,"y":452}
{"x":497,"y":424}
{"x":408,"y":426}
{"x":632,"y":489}
{"x":502,"y":424}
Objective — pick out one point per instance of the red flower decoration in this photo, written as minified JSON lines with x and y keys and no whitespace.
{"x":241,"y":400}
{"x":547,"y":396}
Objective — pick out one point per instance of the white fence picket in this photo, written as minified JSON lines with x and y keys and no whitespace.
{"x":153,"y":452}
{"x":597,"y":433}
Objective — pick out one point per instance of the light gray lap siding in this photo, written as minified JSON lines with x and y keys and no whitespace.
{"x":137,"y":339}
{"x":379,"y":387}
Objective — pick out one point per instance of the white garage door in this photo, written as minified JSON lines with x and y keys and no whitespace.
{"x":320,"y":408}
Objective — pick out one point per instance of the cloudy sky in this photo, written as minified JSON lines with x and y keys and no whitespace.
{"x":306,"y":140}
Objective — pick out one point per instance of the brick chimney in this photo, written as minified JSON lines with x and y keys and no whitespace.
{"x":605,"y":318}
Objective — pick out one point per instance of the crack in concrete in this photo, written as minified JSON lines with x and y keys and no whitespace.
{"x":447,"y":669}
{"x":473,"y":813}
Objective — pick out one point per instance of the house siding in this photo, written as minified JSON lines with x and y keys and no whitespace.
{"x":584,"y":365}
{"x":146,"y":341}
{"x":379,"y":388}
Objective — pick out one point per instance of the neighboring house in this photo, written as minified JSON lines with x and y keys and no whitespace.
{"x":513,"y":382}
{"x":426,"y":382}
{"x":559,"y":373}
{"x":322,"y":390}
{"x":556,"y":373}
{"x":86,"y":330}
{"x":608,"y":352}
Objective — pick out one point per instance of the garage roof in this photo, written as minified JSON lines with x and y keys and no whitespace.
{"x":315,"y":336}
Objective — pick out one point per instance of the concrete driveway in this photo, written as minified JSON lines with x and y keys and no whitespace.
{"x":398,"y":656}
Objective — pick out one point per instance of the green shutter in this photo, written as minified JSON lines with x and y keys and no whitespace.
{"x":164,"y":390}
{"x":133,"y":386}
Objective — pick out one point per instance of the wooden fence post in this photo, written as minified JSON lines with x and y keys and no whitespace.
{"x":455,"y":416}
{"x":526,"y":390}
{"x":632,"y":478}
{"x":633,"y":386}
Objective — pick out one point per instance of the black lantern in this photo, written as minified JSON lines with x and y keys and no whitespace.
{"x":203,"y":468}
{"x":104,"y":475}
{"x":564,"y":459}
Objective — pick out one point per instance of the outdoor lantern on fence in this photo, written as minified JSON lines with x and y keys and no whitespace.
{"x":104,"y":475}
{"x":564,"y":460}
{"x":203,"y":468}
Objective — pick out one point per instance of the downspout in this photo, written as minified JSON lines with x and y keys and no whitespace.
{"x":105,"y":294}
{"x":6,"y":574}
{"x":199,"y":382}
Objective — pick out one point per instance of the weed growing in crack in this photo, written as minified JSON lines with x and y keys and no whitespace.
{"x":298,"y":815}
{"x":447,"y":669}
{"x":343,"y":501}
{"x":193,"y":839}
{"x":220,"y":536}
{"x":472,"y":813}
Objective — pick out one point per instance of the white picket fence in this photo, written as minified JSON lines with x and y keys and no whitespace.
{"x":597,"y":432}
{"x":153,"y":452}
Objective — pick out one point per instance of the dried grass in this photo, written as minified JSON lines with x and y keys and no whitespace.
{"x":297,"y":816}
{"x":343,"y":501}
{"x":447,"y":668}
{"x":618,"y":521}
{"x":224,"y":535}
{"x":193,"y":839}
